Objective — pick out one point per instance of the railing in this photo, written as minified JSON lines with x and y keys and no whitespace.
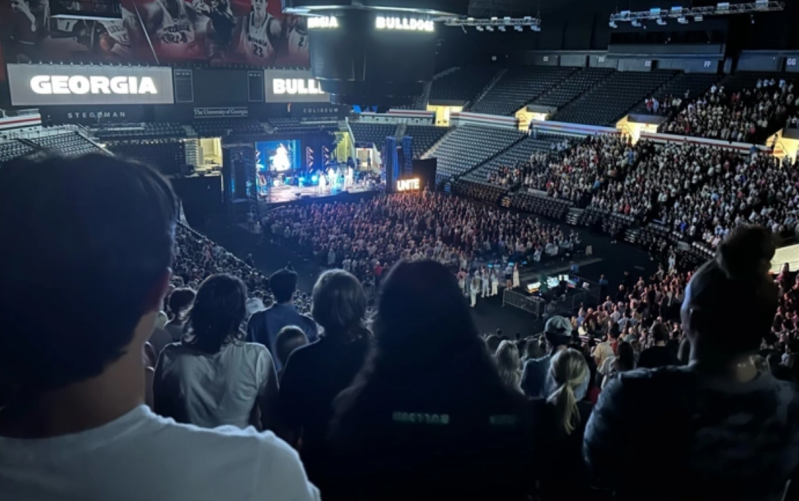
{"x":530,"y":304}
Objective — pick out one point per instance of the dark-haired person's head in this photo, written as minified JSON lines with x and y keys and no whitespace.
{"x":283,"y":284}
{"x":614,"y":332}
{"x":731,"y":300}
{"x":218,"y":311}
{"x":180,"y":300}
{"x":339,"y":305}
{"x":660,"y":334}
{"x":288,"y":339}
{"x":94,"y":235}
{"x":422,"y":316}
{"x":625,"y":357}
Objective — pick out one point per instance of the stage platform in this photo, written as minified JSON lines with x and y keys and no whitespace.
{"x":282,"y":195}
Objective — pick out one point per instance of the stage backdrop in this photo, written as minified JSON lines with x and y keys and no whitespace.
{"x":219,"y":32}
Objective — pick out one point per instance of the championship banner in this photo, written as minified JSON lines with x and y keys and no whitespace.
{"x":292,"y":86}
{"x":67,"y":85}
{"x":216,"y":32}
{"x":222,"y":112}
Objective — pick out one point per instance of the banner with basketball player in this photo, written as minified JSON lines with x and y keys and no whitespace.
{"x":219,"y":32}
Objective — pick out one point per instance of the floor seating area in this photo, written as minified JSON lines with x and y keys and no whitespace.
{"x":541,"y":204}
{"x":13,"y":148}
{"x":610,"y":223}
{"x":463,"y":84}
{"x":470,"y":145}
{"x":214,"y":127}
{"x":572,"y":87}
{"x":148,"y":130}
{"x":518,"y":153}
{"x":481,"y":191}
{"x":609,"y":101}
{"x":424,"y":137}
{"x":519,"y":86}
{"x":168,"y":155}
{"x":69,"y":143}
{"x":372,"y":133}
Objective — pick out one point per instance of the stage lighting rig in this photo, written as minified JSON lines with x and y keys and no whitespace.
{"x":681,"y":13}
{"x":517,"y":23}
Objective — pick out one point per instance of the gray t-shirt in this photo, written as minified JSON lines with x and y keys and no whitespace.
{"x":210,"y":390}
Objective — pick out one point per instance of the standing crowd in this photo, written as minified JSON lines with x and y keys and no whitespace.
{"x":412,"y":403}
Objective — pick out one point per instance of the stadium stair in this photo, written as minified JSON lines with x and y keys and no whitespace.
{"x":574,"y":216}
{"x":486,"y":89}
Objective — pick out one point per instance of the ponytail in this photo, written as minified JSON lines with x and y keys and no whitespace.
{"x":569,"y":369}
{"x":565,"y":403}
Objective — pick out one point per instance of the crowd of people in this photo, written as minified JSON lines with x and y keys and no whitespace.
{"x":669,"y":104}
{"x":744,"y":116}
{"x":413,"y":403}
{"x":704,"y":192}
{"x":368,"y":237}
{"x":574,"y":170}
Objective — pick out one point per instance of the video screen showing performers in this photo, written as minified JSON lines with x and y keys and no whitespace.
{"x":279,"y":156}
{"x":216,"y":32}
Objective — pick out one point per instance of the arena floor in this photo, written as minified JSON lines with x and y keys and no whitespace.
{"x":489,"y":315}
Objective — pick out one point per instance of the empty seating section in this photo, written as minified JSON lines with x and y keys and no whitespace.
{"x":300,"y":125}
{"x":462,"y":85}
{"x":424,"y":137}
{"x":609,"y":101}
{"x":11,"y":149}
{"x":140,"y":131}
{"x":470,"y":145}
{"x":516,"y":154}
{"x":372,"y":133}
{"x":480,"y":191}
{"x":69,"y":144}
{"x":695,"y":84}
{"x":214,"y":127}
{"x":572,"y":87}
{"x":169,"y":156}
{"x":519,"y":86}
{"x":541,"y":204}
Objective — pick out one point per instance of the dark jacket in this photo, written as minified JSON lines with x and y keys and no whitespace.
{"x":263,"y":326}
{"x":452,"y":431}
{"x":717,"y":439}
{"x":314,"y":375}
{"x":561,"y":471}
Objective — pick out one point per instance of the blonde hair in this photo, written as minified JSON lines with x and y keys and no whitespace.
{"x":508,"y":364}
{"x":569,"y":369}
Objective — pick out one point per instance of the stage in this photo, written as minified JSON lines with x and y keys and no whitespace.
{"x":281,"y":195}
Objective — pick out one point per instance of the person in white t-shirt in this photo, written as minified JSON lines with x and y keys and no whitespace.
{"x":73,"y":425}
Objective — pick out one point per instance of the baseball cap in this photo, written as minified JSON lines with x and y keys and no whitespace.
{"x":558,"y":325}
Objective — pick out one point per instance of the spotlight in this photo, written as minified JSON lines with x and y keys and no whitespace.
{"x":518,"y":28}
{"x":698,"y":19}
{"x":535,"y":28}
{"x":302,"y":180}
{"x":490,"y":28}
{"x":636,"y":23}
{"x":501,"y":28}
{"x":661,"y":21}
{"x":682,"y":20}
{"x":479,"y":28}
{"x":613,"y":24}
{"x":314,"y":178}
